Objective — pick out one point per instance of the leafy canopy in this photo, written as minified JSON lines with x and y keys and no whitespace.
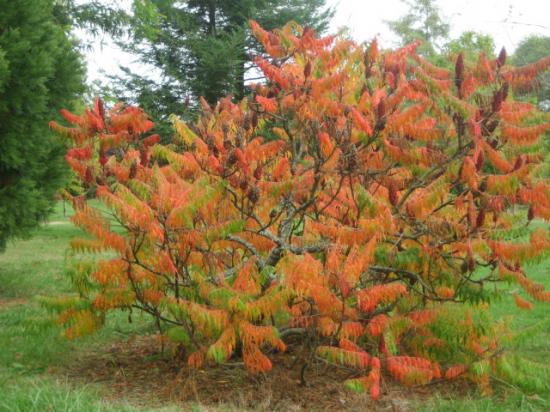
{"x":360,"y":226}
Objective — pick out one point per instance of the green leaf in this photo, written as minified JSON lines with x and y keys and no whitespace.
{"x":233,"y":227}
{"x":216,"y":354}
{"x":355,"y":385}
{"x":178,"y":335}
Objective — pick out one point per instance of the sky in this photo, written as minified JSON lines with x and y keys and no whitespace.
{"x":507,"y":21}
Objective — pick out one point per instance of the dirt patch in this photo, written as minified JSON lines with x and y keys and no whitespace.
{"x":8,"y":303}
{"x":136,"y":370}
{"x":58,"y":222}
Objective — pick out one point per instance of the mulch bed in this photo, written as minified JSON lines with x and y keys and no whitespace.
{"x":137,"y":371}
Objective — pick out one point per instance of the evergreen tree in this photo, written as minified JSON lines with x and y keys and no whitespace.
{"x":40,"y":71}
{"x":93,"y":16}
{"x":201,"y":48}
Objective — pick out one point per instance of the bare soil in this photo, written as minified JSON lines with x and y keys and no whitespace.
{"x":8,"y":303}
{"x":136,"y":370}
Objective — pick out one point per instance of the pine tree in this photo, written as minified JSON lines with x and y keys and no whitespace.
{"x":40,"y":70}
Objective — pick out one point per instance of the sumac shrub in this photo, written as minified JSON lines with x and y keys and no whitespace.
{"x":360,"y":224}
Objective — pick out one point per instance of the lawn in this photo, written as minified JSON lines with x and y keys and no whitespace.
{"x":37,"y":363}
{"x":32,"y":345}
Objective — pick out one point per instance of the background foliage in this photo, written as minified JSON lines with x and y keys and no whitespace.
{"x":40,"y":71}
{"x":200,"y":48}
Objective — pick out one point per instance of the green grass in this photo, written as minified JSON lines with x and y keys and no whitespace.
{"x":32,"y":345}
{"x":35,"y":266}
{"x":30,"y":341}
{"x":43,"y":394}
{"x":478,"y":403}
{"x":534,"y":324}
